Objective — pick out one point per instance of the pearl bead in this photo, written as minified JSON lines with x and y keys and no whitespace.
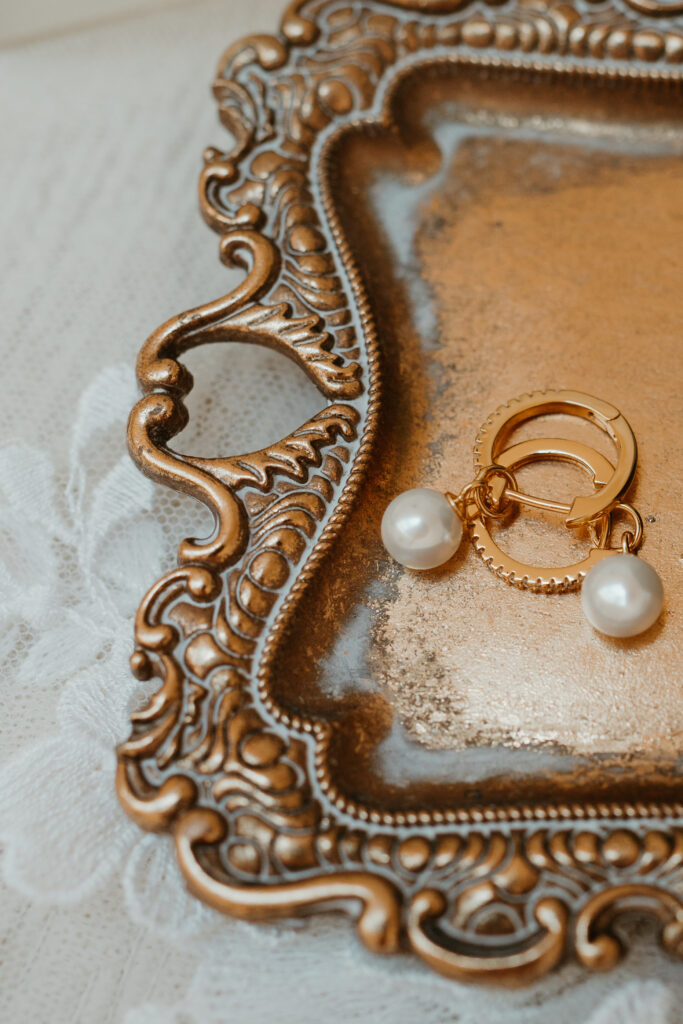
{"x":622,"y":595}
{"x":420,"y":529}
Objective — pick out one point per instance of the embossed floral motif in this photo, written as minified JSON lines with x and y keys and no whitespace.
{"x":485,"y":893}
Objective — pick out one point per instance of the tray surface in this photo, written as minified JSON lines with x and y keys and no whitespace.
{"x":481,"y":205}
{"x":514,"y":253}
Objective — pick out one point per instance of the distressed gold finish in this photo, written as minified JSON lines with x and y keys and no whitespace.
{"x":270,"y":785}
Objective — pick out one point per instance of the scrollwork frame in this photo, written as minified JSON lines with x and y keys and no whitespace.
{"x":260,"y":826}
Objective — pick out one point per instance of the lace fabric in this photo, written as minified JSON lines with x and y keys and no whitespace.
{"x":103,"y":138}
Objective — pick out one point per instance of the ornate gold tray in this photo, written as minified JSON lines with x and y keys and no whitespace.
{"x":466,"y":203}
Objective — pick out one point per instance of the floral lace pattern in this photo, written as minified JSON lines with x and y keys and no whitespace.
{"x":80,"y":649}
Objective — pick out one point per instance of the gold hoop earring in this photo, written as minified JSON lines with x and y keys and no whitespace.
{"x":622,"y":595}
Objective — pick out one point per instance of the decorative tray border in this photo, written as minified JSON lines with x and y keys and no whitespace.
{"x":491,"y":893}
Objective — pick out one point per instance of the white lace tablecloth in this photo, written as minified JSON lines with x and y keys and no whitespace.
{"x":102,"y":133}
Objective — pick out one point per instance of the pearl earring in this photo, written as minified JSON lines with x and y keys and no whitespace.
{"x":622,"y":595}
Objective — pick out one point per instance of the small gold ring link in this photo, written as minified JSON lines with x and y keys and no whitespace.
{"x":630,"y":539}
{"x":475,"y":490}
{"x":458,"y":502}
{"x":490,"y":506}
{"x":601,"y":531}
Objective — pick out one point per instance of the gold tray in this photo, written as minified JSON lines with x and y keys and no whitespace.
{"x":470,"y":205}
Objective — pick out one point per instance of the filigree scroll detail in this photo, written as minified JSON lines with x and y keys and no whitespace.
{"x":492,"y":894}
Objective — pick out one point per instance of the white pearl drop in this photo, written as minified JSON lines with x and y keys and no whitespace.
{"x":420,"y":529}
{"x":622,"y":596}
